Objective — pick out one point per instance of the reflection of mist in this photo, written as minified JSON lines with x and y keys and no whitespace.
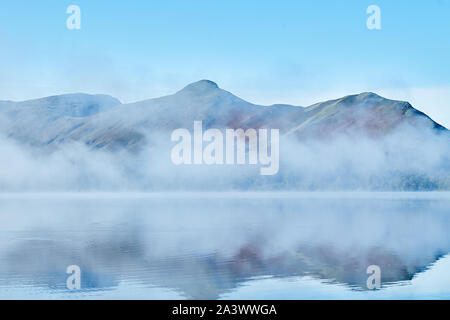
{"x":207,"y":247}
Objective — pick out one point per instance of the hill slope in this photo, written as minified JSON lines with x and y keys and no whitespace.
{"x":357,"y":142}
{"x":103,"y":122}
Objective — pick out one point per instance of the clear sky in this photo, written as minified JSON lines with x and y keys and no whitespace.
{"x":292,"y":51}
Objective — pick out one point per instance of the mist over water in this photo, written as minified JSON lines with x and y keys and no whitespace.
{"x":243,"y":235}
{"x":406,"y":159}
{"x":210,"y":246}
{"x":81,"y":142}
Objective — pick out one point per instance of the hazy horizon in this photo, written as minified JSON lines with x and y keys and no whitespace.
{"x":444,"y":124}
{"x":157,"y":48}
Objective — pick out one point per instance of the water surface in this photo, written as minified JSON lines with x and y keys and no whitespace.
{"x":225,"y":246}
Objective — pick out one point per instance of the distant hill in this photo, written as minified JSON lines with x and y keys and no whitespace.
{"x":402,"y":145}
{"x":103,"y":122}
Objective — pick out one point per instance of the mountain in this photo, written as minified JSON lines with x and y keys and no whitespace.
{"x":365,"y":112}
{"x":42,"y":121}
{"x":358,"y":142}
{"x":102,"y":122}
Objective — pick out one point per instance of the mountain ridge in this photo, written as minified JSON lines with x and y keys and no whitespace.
{"x":102,"y":121}
{"x":357,"y":142}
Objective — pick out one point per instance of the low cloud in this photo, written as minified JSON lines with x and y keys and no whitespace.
{"x":406,"y":159}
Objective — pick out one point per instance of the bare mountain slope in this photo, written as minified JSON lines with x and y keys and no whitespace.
{"x":102,"y":122}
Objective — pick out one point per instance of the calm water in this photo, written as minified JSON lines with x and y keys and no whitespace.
{"x":225,"y":246}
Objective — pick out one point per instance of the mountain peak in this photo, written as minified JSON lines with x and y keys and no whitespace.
{"x":365,"y":96}
{"x":369,"y":95}
{"x":201,"y":86}
{"x":72,"y":105}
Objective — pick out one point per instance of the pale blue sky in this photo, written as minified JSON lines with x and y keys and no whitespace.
{"x":291,"y":51}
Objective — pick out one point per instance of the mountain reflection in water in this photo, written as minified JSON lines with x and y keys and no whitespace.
{"x":214,"y":246}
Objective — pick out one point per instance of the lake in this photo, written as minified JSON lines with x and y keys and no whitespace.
{"x":225,"y":245}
